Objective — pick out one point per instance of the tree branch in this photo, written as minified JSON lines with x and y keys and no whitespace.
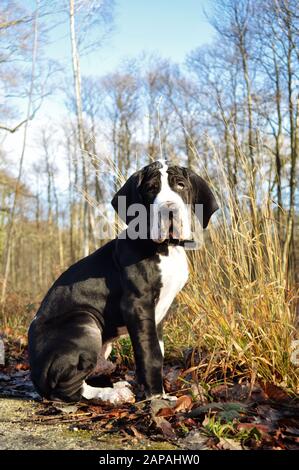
{"x":14,"y":129}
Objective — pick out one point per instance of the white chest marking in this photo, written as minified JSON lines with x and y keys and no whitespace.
{"x":174,"y":275}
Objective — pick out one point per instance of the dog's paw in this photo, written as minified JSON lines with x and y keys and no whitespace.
{"x":119,"y":394}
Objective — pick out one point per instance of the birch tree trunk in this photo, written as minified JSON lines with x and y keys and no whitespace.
{"x":278,"y":137}
{"x":80,"y":124}
{"x":292,"y":189}
{"x":294,"y":130}
{"x":11,"y":222}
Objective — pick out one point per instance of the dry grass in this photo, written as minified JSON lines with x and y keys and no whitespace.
{"x":237,"y":310}
{"x":237,"y":307}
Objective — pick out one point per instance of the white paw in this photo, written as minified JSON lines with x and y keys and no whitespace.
{"x":119,"y":394}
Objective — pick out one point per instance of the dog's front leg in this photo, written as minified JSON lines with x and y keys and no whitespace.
{"x":139,"y":316}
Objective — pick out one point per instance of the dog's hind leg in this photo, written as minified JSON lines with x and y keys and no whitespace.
{"x":61,"y":361}
{"x":67,"y":374}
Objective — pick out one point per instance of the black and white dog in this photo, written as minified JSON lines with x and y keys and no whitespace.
{"x":126,"y":286}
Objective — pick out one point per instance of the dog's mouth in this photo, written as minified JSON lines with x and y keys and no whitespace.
{"x":171,"y":235}
{"x":169,"y":228}
{"x":170,"y":223}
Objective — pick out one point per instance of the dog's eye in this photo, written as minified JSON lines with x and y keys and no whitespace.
{"x":152,"y":187}
{"x":180,"y":185}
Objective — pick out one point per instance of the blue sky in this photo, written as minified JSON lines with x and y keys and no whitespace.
{"x":170,"y":28}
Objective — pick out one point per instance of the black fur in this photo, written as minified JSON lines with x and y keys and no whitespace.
{"x":116,"y":286}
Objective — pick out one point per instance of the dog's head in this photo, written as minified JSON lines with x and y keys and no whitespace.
{"x":167,"y":193}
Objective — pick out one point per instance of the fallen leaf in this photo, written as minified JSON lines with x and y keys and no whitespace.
{"x":200,"y":411}
{"x":236,"y":392}
{"x":166,"y":428}
{"x":262,"y":428}
{"x":274,"y":392}
{"x":166,"y":412}
{"x":65,"y":408}
{"x":195,"y":440}
{"x":229,"y":444}
{"x":22,"y":366}
{"x":183,"y":403}
{"x":159,"y":403}
{"x":188,"y":422}
{"x":118,"y":414}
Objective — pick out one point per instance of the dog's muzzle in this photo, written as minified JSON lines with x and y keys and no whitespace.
{"x":168,"y":223}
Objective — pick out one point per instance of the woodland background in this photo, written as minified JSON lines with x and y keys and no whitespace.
{"x":230,"y":112}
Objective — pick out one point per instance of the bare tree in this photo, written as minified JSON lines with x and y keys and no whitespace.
{"x":91,"y":13}
{"x":233,"y":20}
{"x":121,"y":109}
{"x":218,"y":77}
{"x":10,"y":228}
{"x":158,"y":114}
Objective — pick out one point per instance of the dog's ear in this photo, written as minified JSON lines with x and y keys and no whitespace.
{"x":202,"y":194}
{"x":132,"y":196}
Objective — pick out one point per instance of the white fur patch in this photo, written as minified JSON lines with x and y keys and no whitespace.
{"x":120,"y":393}
{"x":106,"y":350}
{"x":174,"y":275}
{"x":161,"y":342}
{"x":167,"y":197}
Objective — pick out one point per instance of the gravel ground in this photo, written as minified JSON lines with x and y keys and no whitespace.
{"x":18,"y":431}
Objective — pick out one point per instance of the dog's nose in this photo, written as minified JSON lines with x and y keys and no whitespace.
{"x":169,"y":205}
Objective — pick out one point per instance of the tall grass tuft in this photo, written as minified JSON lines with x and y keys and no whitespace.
{"x":237,"y":308}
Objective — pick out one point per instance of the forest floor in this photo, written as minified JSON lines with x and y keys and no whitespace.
{"x":20,"y":429}
{"x":233,"y":416}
